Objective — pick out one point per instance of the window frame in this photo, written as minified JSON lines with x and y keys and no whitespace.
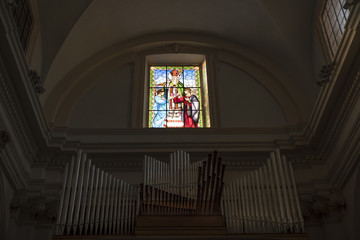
{"x":204,"y":111}
{"x":142,"y":61}
{"x":330,"y":48}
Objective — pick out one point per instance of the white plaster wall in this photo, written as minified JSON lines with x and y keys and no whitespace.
{"x":107,"y":103}
{"x":243,"y":102}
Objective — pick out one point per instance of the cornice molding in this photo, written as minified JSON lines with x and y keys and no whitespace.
{"x":347,"y":122}
{"x":14,"y":119}
{"x":125,"y":140}
{"x":178,"y":47}
{"x":27,"y":207}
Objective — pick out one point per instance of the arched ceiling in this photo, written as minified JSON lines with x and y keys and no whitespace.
{"x":279,"y":30}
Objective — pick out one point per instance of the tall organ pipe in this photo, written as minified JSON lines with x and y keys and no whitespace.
{"x":264,"y":200}
{"x":94,"y":202}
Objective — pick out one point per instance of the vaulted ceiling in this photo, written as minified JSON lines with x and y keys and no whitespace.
{"x":279,"y":32}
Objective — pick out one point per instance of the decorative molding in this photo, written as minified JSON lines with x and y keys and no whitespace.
{"x":347,"y":121}
{"x":4,"y":139}
{"x":19,"y":200}
{"x":19,"y":72}
{"x":17,"y":122}
{"x":178,"y":47}
{"x":27,"y":206}
{"x":325,"y":74}
{"x":36,"y":82}
{"x":342,"y":114}
{"x":322,"y":203}
{"x":174,"y":48}
{"x":350,"y":3}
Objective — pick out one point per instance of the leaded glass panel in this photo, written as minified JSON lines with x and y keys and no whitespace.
{"x":175,"y":97}
{"x":333,"y":19}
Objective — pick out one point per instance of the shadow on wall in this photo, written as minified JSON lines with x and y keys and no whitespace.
{"x":2,"y":208}
{"x":357,"y":204}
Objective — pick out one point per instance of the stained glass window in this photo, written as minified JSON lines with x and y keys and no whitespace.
{"x":175,"y":97}
{"x":24,"y":20}
{"x":333,"y":19}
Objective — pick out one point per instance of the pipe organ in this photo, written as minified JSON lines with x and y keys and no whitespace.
{"x":180,"y":187}
{"x":94,"y":202}
{"x":264,"y":201}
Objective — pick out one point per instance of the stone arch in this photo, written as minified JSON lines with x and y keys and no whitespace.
{"x":63,"y":97}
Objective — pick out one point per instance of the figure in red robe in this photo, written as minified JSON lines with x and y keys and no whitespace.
{"x":190,"y":115}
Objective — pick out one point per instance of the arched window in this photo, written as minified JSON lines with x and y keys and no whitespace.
{"x":23,"y":17}
{"x":333,"y":19}
{"x":178,"y":97}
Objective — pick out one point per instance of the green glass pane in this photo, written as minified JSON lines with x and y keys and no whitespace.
{"x":151,"y":118}
{"x":197,"y":76}
{"x":200,"y":123}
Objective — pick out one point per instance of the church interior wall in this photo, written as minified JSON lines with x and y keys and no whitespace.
{"x":35,"y":57}
{"x":339,"y":222}
{"x":318,"y":61}
{"x":243,"y":102}
{"x":106,"y":104}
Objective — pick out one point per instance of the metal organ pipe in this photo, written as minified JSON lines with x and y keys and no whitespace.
{"x":264,"y":200}
{"x":94,"y":202}
{"x":183,"y":187}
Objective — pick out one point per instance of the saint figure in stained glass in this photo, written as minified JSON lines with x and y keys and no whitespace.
{"x":159,"y":109}
{"x":175,"y":86}
{"x":190,"y":115}
{"x":175,"y":97}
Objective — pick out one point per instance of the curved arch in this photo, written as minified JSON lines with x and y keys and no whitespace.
{"x":268,"y":81}
{"x":60,"y":101}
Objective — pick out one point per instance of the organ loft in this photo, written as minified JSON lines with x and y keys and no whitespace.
{"x":232,"y":119}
